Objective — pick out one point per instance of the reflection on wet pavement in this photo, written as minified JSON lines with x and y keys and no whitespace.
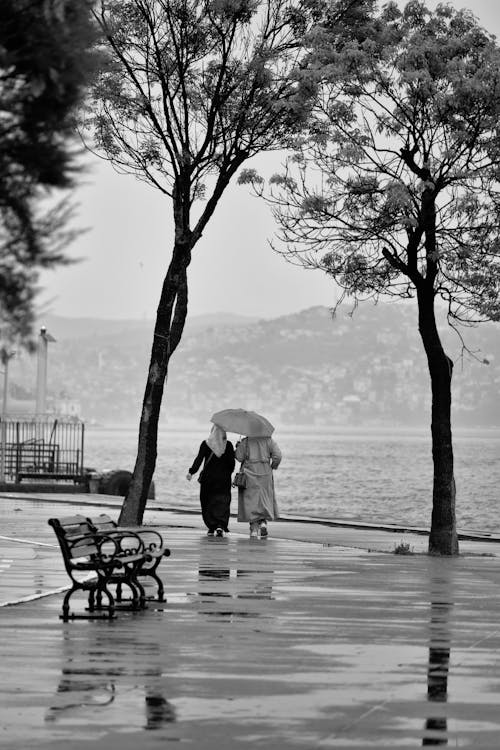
{"x":279,"y":645}
{"x":159,"y":710}
{"x":441,"y":596}
{"x":80,"y":695}
{"x":217,"y":583}
{"x":261,"y":589}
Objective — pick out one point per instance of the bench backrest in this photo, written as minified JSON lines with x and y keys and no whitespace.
{"x":75,"y":537}
{"x":102,"y":523}
{"x":150,"y":539}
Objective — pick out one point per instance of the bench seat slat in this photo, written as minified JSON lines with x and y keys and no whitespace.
{"x":83,"y":550}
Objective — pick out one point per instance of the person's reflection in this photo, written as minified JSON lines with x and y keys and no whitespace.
{"x":219,"y":580}
{"x":436,"y":725}
{"x":255,"y":568}
{"x":224,"y":575}
{"x":260,"y":584}
{"x":210,"y":575}
{"x":213,"y":570}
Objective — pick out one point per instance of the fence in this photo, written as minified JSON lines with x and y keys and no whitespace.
{"x":41,"y":450}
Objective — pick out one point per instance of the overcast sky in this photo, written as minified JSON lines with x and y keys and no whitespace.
{"x":127,"y":247}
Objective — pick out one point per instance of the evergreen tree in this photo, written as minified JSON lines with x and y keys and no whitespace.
{"x":45,"y":64}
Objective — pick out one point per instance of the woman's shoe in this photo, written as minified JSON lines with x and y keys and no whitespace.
{"x":263,"y":530}
{"x":210,"y":532}
{"x":254,"y":531}
{"x":219,"y":532}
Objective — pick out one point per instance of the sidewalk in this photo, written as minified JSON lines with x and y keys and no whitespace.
{"x":319,"y":637}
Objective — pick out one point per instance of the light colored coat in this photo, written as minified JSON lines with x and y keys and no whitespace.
{"x":257,"y":500}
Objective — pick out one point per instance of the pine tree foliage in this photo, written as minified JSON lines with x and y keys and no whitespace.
{"x":45,"y":63}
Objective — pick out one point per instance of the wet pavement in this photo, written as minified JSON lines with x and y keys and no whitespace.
{"x":318,"y":637}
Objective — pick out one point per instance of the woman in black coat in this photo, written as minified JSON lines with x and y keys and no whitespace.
{"x":217,"y":453}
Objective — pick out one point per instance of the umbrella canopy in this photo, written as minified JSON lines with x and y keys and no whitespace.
{"x":243,"y":422}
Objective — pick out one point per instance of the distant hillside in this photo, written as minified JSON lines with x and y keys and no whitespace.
{"x":364,"y":368}
{"x":82,"y":328}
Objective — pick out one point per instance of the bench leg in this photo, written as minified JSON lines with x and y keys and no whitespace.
{"x":65,"y":606}
{"x":142,"y":594}
{"x":130,"y":579}
{"x":149,"y":570}
{"x":99,"y":590}
{"x":118,"y":594}
{"x":111,"y":601}
{"x":137,"y":594}
{"x":160,"y":594}
{"x":138,"y":600}
{"x":95,"y":601}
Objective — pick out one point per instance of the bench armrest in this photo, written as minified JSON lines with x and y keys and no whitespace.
{"x":150,"y":538}
{"x":126,"y":542}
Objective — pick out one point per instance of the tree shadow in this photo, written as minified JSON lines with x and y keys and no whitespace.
{"x":95,"y":675}
{"x":441,"y":602}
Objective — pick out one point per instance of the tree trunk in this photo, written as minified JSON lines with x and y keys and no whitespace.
{"x":443,"y":538}
{"x":170,"y":320}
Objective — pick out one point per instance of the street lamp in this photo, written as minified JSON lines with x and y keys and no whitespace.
{"x":5,"y":357}
{"x":41,"y":374}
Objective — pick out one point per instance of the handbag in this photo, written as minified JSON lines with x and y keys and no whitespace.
{"x":240,"y":478}
{"x":200,"y":476}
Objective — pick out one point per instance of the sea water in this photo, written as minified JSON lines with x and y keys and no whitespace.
{"x":377,"y":476}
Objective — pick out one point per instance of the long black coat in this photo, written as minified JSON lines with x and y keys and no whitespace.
{"x":215,"y":485}
{"x":216,"y":474}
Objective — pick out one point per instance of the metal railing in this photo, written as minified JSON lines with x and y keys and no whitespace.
{"x":41,"y":449}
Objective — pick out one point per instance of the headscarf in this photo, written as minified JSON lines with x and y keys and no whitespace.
{"x":217,"y":440}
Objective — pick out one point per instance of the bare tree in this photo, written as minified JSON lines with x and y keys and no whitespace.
{"x":194,"y":89}
{"x":395,"y":190}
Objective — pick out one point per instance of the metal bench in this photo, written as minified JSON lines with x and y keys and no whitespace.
{"x":76,"y":478}
{"x":154,"y":548}
{"x":32,"y":459}
{"x":42,"y":461}
{"x":96,"y":561}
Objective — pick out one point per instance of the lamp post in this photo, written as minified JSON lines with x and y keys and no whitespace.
{"x":5,"y":357}
{"x":41,"y":374}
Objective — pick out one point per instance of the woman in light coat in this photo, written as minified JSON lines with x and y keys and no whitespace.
{"x":259,"y":456}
